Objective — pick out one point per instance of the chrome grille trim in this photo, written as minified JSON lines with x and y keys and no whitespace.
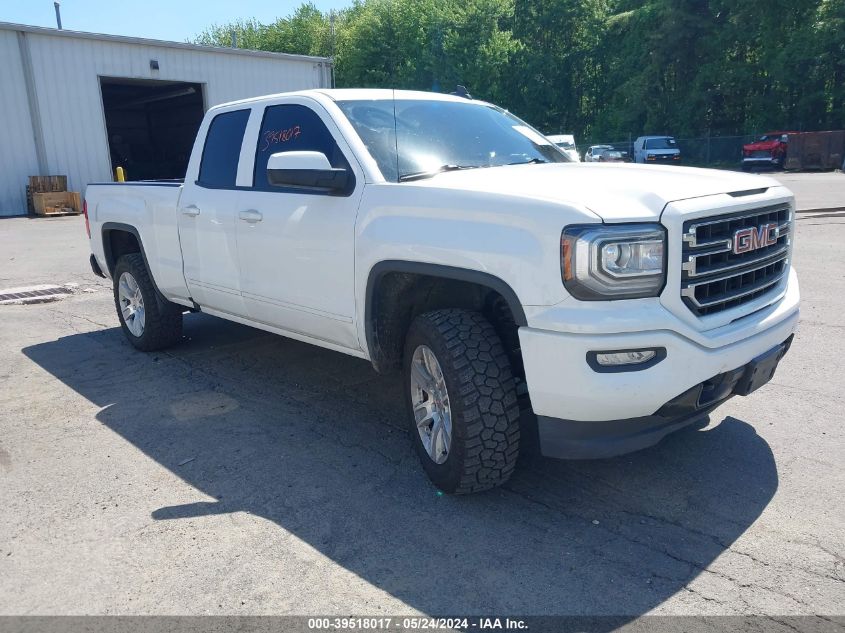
{"x":691,"y":268}
{"x":689,"y":290}
{"x":691,"y":228}
{"x":714,"y":278}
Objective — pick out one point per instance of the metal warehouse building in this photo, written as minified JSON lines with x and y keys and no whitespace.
{"x":80,"y":104}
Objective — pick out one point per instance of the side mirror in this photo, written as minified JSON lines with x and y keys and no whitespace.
{"x":307,"y":170}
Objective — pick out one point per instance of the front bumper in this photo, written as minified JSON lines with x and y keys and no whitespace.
{"x":573,"y":399}
{"x":571,"y":439}
{"x":663,"y":159}
{"x":760,"y":160}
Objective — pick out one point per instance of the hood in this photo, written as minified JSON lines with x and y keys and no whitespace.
{"x":761,"y":145}
{"x":616,"y":192}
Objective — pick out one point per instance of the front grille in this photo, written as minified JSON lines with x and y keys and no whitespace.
{"x":714,"y":277}
{"x":761,"y":153}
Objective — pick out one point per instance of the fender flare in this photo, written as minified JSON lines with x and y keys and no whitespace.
{"x":107,"y":228}
{"x":435,"y":270}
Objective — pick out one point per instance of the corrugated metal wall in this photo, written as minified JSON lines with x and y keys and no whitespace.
{"x":17,"y":146}
{"x":66,"y":73}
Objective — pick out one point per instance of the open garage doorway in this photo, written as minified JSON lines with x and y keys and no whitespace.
{"x":151,"y":125}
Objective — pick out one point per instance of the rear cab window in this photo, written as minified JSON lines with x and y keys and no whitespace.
{"x":222,"y":150}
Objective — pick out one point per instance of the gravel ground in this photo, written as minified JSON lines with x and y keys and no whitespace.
{"x":244,"y":473}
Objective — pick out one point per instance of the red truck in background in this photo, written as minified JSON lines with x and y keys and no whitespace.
{"x":769,"y":151}
{"x":796,"y":150}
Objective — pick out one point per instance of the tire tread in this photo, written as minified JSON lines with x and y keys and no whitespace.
{"x":486,"y":398}
{"x":163,"y":319}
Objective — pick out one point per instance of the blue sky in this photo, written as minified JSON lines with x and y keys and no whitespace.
{"x":176,"y":20}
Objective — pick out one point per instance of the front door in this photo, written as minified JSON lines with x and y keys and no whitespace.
{"x":207,"y":218}
{"x":296,"y":246}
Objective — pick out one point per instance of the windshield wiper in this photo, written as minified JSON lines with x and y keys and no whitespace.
{"x":419,"y":175}
{"x":533,"y":161}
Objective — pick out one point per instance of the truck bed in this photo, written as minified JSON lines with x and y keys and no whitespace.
{"x":149,"y":210}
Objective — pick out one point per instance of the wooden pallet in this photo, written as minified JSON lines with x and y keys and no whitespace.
{"x":57,"y":203}
{"x":47,"y":184}
{"x":43,"y":184}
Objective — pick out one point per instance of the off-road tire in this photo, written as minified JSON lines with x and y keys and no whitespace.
{"x":482,"y":395}
{"x":163,"y":319}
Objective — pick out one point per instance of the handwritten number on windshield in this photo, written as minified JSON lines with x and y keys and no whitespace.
{"x":274,"y":137}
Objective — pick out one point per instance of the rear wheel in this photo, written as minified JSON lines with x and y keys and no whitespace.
{"x":148,"y":321}
{"x":462,"y":401}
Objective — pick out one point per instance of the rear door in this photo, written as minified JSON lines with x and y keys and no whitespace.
{"x":296,"y":246}
{"x":207,"y":216}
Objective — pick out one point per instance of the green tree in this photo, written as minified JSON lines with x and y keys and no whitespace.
{"x":600,"y":68}
{"x":306,"y":32}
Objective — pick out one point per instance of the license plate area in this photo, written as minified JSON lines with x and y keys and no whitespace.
{"x":761,"y":369}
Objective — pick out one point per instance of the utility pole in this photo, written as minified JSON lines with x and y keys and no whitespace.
{"x":331,"y":45}
{"x":331,"y":33}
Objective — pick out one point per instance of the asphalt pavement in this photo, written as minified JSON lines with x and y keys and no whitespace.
{"x":245,"y":473}
{"x":816,"y":191}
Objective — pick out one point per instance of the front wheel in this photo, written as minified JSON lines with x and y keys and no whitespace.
{"x":149,"y":321}
{"x":462,"y":402}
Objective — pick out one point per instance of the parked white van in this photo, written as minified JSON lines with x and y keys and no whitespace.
{"x":656,"y":149}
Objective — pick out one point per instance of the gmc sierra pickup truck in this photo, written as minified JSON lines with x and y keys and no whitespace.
{"x":449,"y":240}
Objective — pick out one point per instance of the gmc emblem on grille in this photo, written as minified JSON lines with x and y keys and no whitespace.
{"x":750,"y":239}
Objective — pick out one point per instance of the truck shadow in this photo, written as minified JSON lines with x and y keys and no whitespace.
{"x":315,"y":442}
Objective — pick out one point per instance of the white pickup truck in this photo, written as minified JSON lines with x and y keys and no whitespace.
{"x":446,"y":239}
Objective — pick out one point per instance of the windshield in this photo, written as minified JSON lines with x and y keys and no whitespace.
{"x":432,"y":134}
{"x":660,"y":143}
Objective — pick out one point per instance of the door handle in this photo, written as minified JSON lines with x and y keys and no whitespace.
{"x":251,"y":216}
{"x":192,"y":210}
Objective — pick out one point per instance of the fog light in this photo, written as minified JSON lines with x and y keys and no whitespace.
{"x":633,"y":357}
{"x":624,"y":360}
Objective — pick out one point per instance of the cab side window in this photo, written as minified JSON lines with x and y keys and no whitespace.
{"x":222,"y":150}
{"x":292,"y":128}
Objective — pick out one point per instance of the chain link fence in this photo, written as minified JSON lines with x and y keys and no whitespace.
{"x":703,"y":151}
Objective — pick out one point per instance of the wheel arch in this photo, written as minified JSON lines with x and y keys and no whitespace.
{"x":115,"y":246}
{"x":383,"y":353}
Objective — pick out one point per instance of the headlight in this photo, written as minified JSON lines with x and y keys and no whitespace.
{"x":601,"y":262}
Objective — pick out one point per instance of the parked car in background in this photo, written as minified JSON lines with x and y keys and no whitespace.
{"x":656,"y":149}
{"x":614,"y":156}
{"x":768,"y":151}
{"x":567,"y":143}
{"x":594,"y":152}
{"x":796,"y":150}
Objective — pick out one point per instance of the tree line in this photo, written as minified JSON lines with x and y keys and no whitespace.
{"x":597,"y":68}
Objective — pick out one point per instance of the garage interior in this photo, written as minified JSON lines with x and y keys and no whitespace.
{"x":151,"y":125}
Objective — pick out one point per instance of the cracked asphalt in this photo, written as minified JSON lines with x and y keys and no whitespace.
{"x":244,"y":473}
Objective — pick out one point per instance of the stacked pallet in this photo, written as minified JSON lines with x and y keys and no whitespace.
{"x":48,"y":195}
